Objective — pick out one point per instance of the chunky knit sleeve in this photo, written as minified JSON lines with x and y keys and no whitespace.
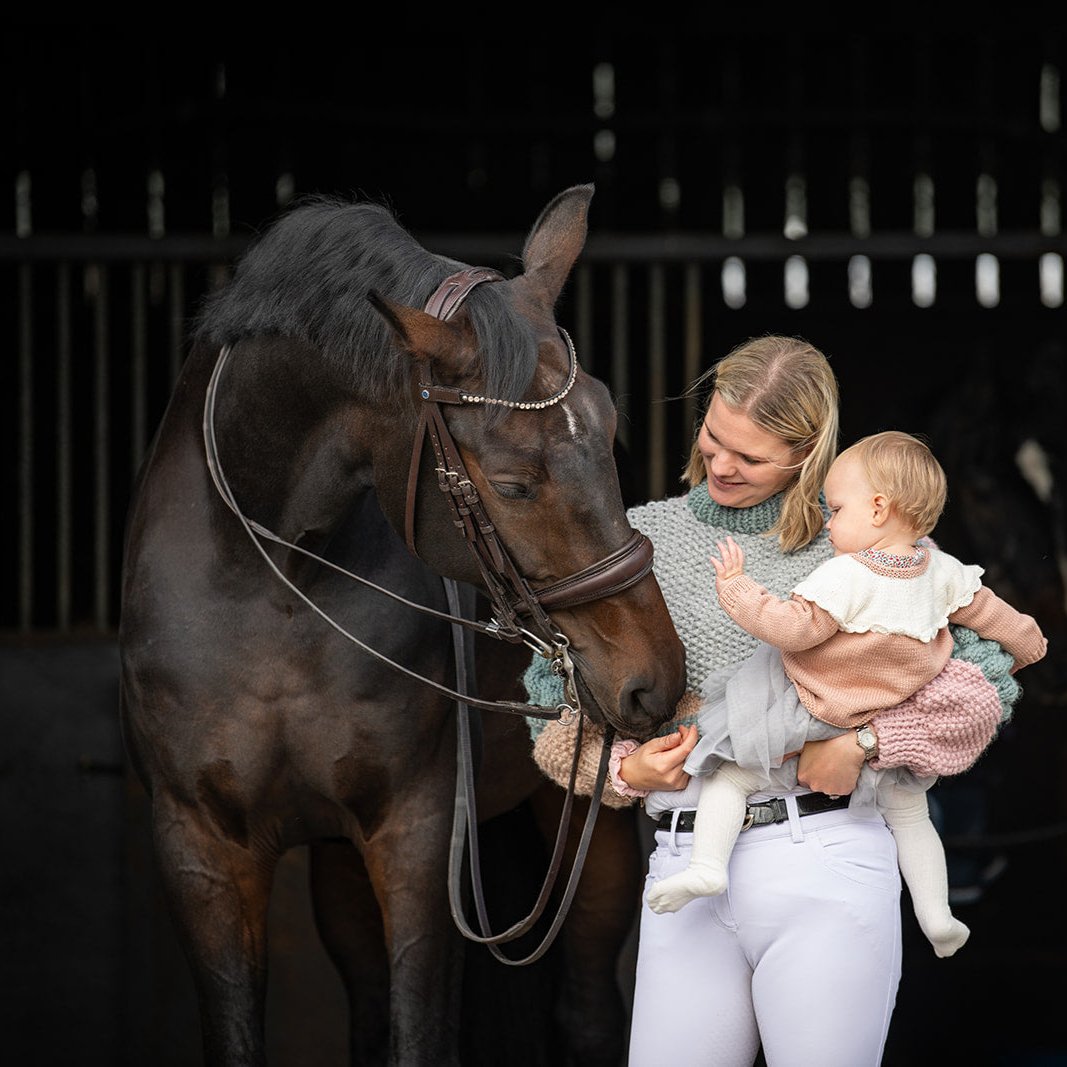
{"x":998,"y":621}
{"x":944,"y":727}
{"x":553,"y":752}
{"x":544,"y":688}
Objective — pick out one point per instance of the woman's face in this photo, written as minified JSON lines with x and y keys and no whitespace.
{"x":744,"y":463}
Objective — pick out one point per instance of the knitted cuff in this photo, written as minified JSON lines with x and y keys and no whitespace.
{"x":944,"y":727}
{"x":553,"y":752}
{"x":735,"y":590}
{"x":619,"y":751}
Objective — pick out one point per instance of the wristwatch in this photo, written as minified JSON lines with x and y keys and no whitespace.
{"x":867,"y":739}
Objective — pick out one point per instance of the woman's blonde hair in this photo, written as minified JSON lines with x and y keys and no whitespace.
{"x":904,"y":470}
{"x":786,"y":387}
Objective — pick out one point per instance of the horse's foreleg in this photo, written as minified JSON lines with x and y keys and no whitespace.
{"x":218,"y":890}
{"x":407,"y":862}
{"x":350,"y":925}
{"x":590,"y":1009}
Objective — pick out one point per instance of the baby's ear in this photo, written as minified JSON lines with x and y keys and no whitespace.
{"x":880,"y":509}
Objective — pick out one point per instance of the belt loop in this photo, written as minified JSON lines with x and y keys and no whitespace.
{"x":794,"y":818}
{"x":672,"y":840}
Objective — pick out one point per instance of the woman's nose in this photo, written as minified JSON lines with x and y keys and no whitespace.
{"x":722,"y":464}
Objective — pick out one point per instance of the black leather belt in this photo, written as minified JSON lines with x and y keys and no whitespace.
{"x":763,"y":814}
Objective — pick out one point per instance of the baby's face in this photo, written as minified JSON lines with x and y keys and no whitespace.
{"x":850,"y":498}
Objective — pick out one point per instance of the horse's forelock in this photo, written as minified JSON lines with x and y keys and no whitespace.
{"x":507,"y":343}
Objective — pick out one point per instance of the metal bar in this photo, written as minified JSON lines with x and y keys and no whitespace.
{"x":101,"y":449}
{"x":620,"y":350}
{"x":138,"y":368}
{"x":177,"y":321}
{"x":583,"y":316}
{"x":120,"y":248}
{"x":657,"y":381}
{"x":25,"y":559}
{"x":672,"y":247}
{"x":64,"y":452}
{"x":692,"y":353}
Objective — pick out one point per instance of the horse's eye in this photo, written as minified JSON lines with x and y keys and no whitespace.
{"x":512,"y":490}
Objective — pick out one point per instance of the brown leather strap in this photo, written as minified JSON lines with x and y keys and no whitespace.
{"x":443,"y":303}
{"x":413,"y":482}
{"x":508,"y":590}
{"x":623,"y":568}
{"x":456,"y":287}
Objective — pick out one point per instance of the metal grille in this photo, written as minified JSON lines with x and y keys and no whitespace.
{"x":896,"y":199}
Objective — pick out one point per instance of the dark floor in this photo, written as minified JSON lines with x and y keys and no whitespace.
{"x":91,"y":974}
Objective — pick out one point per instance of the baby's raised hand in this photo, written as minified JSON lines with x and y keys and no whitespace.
{"x":732,"y":563}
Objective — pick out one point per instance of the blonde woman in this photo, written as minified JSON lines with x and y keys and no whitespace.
{"x":803,"y":954}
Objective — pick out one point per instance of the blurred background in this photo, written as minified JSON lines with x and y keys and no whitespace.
{"x":894,"y":196}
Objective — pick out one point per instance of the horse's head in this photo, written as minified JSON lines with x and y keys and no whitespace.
{"x":542,"y":466}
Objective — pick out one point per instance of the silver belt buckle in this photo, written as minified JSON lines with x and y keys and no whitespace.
{"x":770,"y":811}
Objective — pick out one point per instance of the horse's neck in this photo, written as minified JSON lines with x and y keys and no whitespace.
{"x":296,"y":443}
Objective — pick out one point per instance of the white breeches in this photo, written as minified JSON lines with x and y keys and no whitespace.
{"x":802,"y":952}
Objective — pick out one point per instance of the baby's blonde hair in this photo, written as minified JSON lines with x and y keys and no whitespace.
{"x":786,"y":387}
{"x":903,"y":469}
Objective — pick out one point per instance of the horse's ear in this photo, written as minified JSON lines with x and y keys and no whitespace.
{"x":423,"y":335}
{"x":554,"y":243}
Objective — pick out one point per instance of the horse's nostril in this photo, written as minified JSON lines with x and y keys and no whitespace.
{"x":643,"y":705}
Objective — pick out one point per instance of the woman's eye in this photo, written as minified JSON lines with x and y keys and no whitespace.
{"x":512,"y":490}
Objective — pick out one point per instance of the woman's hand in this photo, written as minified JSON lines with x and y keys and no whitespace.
{"x":657,"y":764}
{"x":832,"y":766}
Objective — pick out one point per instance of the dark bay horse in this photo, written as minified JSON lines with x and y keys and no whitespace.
{"x":284,"y":459}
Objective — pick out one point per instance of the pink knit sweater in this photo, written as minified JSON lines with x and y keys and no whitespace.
{"x":843,"y":676}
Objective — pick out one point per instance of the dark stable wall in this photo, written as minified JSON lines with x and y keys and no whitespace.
{"x":474,"y":138}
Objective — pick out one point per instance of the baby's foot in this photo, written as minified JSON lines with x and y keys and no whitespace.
{"x":695,"y":881}
{"x":947,"y":935}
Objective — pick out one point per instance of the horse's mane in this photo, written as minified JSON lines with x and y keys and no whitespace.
{"x":307,"y":277}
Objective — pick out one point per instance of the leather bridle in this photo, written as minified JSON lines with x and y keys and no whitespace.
{"x":519,"y":612}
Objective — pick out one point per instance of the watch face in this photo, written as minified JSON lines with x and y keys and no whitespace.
{"x":867,"y":741}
